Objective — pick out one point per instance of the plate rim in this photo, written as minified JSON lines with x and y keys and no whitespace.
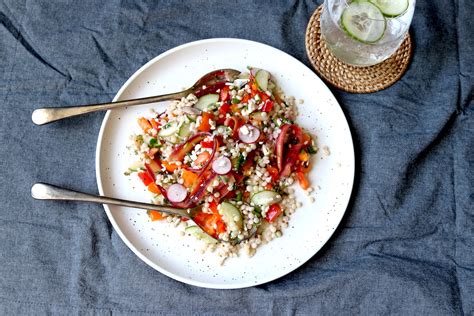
{"x":115,"y":225}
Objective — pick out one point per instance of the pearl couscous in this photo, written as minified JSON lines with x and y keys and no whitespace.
{"x":234,"y":150}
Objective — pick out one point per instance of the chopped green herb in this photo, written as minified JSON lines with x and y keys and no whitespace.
{"x":239,"y":162}
{"x":238,"y":196}
{"x":153,"y":142}
{"x":257,"y":211}
{"x":235,"y":101}
{"x":312,"y":150}
{"x":132,"y":170}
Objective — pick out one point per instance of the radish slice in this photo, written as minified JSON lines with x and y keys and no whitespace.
{"x":222,"y":165}
{"x":191,"y":110}
{"x":177,"y":193}
{"x":249,"y":133}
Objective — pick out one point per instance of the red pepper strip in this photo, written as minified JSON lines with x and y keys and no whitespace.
{"x":150,"y":172}
{"x":286,"y":163}
{"x":234,"y":123}
{"x":155,"y":124}
{"x":268,"y":106}
{"x":182,"y":149}
{"x":290,"y":160}
{"x":208,"y":144}
{"x":274,"y":174}
{"x":224,"y":109}
{"x":145,"y":177}
{"x":280,"y":145}
{"x":273,"y":212}
{"x":210,"y":89}
{"x":224,"y":95}
{"x":205,"y":221}
{"x":210,"y":223}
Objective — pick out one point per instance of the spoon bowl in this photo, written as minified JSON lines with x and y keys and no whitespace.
{"x":47,"y":115}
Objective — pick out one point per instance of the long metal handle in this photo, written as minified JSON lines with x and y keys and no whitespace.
{"x":48,"y":115}
{"x":43,"y":191}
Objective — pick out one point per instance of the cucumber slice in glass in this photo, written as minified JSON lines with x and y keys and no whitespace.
{"x":364,"y":22}
{"x":391,"y":8}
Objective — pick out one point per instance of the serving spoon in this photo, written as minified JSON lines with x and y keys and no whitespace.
{"x":44,"y":191}
{"x":48,"y":115}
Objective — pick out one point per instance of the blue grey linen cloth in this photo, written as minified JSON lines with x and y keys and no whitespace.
{"x":405,"y":245}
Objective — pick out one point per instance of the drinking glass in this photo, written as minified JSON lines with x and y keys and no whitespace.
{"x":365,"y":33}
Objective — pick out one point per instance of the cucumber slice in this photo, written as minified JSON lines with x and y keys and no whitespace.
{"x":174,"y":139}
{"x":185,"y":130}
{"x":391,"y":8}
{"x":244,"y":75}
{"x":205,"y":101}
{"x":239,"y":83}
{"x":364,"y":22}
{"x":262,"y":77}
{"x":232,"y":218}
{"x":169,"y":129}
{"x":197,"y":232}
{"x":189,"y":118}
{"x":266,"y":197}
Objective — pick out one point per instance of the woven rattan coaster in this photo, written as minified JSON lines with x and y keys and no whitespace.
{"x":350,"y":78}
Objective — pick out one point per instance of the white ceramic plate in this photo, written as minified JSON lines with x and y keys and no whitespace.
{"x":158,"y":243}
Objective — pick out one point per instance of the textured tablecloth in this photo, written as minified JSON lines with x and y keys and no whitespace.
{"x":405,"y":245}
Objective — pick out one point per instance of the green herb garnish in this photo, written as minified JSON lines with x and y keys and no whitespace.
{"x":238,"y":196}
{"x":311,"y":150}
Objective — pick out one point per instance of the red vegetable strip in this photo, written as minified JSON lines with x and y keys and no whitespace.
{"x":150,"y":172}
{"x":273,"y":213}
{"x":224,"y":95}
{"x":281,"y":140}
{"x":287,"y":162}
{"x":145,"y":177}
{"x":182,"y":149}
{"x":234,"y":123}
{"x":268,"y":106}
